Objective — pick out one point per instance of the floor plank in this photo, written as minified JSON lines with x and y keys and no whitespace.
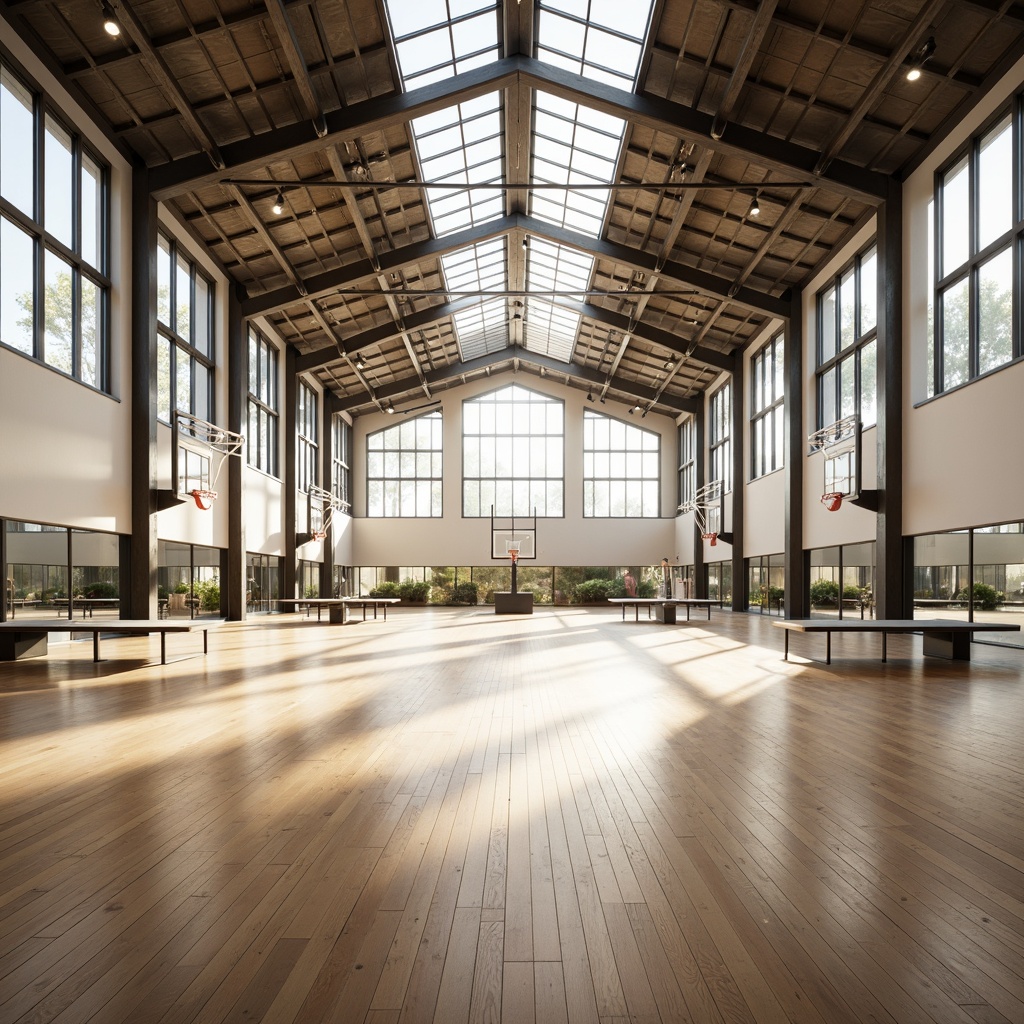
{"x":557,"y":819}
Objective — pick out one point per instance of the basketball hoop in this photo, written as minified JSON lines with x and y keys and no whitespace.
{"x":832,"y":500}
{"x":712,"y":538}
{"x":203,"y":499}
{"x":513,"y":553}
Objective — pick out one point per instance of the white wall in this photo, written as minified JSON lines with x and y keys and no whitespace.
{"x":66,"y":452}
{"x":850,"y":524}
{"x":572,"y":540}
{"x":963,"y":451}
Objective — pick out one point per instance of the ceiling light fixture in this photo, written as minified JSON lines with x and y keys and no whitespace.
{"x":360,"y":365}
{"x":755,"y":207}
{"x":390,"y":410}
{"x":919,"y":58}
{"x":526,"y":241}
{"x":590,"y":396}
{"x":110,"y":24}
{"x":278,"y":206}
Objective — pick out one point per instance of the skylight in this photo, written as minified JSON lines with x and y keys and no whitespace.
{"x":435,"y":39}
{"x":601,"y":39}
{"x":480,"y":329}
{"x":551,"y":323}
{"x":463,"y":144}
{"x":573,"y":144}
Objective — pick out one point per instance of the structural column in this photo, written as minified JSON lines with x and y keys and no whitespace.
{"x":738,"y":433}
{"x":700,"y":576}
{"x":327,"y":471}
{"x":139,"y":591}
{"x":291,"y":394}
{"x":891,"y":584}
{"x":796,"y":604}
{"x":238,"y":394}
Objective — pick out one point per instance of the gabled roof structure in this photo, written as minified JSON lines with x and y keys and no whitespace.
{"x":623,"y":196}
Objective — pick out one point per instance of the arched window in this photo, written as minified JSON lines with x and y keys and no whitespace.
{"x":403,"y":469}
{"x":621,"y":468}
{"x":513,"y":461}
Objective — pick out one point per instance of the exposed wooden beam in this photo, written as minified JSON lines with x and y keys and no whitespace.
{"x":293,"y":55}
{"x":135,"y":30}
{"x":738,"y":79}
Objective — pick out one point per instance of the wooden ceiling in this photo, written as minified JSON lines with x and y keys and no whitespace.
{"x":803,"y":105}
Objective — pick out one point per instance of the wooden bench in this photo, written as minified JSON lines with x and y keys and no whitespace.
{"x":943,"y":638}
{"x":664,"y":607}
{"x":337,"y":607}
{"x":27,"y":638}
{"x":85,"y":605}
{"x":372,"y":602}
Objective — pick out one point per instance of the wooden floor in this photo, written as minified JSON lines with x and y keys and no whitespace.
{"x":455,"y":816}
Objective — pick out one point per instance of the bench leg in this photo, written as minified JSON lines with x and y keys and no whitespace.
{"x":884,"y":637}
{"x":96,"y":646}
{"x":163,"y":647}
{"x":709,"y":613}
{"x":951,"y":646}
{"x":785,"y":655}
{"x":828,"y":648}
{"x":205,"y":648}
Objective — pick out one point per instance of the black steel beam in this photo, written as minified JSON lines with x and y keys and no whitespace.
{"x":701,"y":281}
{"x":385,"y":332}
{"x":582,"y":373}
{"x":382,"y":113}
{"x":351,"y":274}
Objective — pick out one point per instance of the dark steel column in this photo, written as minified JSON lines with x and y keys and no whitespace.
{"x":291,"y":393}
{"x":700,"y":575}
{"x":738,"y":431}
{"x":141,"y":571}
{"x":327,"y":464}
{"x":238,"y":395}
{"x":796,"y":582}
{"x":892,"y":583}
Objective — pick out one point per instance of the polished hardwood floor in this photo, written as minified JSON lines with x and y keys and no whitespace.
{"x":455,"y":816}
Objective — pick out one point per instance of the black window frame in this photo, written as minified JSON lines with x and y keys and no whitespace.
{"x":263,"y":419}
{"x":764,"y":418}
{"x":341,"y":461}
{"x":1011,"y":240}
{"x":178,"y":346}
{"x":412,"y":457}
{"x":863,"y":340}
{"x":720,"y":437}
{"x":44,"y":242}
{"x":307,"y":437}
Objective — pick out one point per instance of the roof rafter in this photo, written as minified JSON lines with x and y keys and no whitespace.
{"x":378,"y":114}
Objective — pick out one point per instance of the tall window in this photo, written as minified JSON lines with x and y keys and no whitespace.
{"x":719,"y":437}
{"x":974,"y":256}
{"x":184,"y":315}
{"x":403,"y":469}
{"x":766,"y":422}
{"x":341,"y":462}
{"x":513,"y":444}
{"x":54,"y":230}
{"x":263,"y":403}
{"x":847,"y":359}
{"x":621,"y":469}
{"x":307,"y":439}
{"x":687,"y":461}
